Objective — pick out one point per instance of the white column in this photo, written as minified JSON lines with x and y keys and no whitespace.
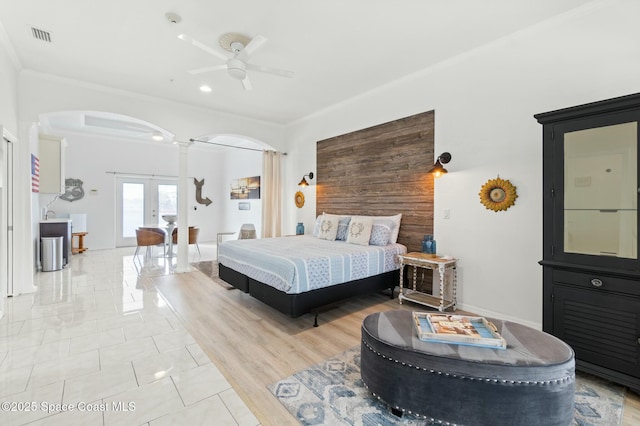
{"x":26,"y":219}
{"x":183,"y":210}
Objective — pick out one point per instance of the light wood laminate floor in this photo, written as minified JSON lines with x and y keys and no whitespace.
{"x":254,"y":345}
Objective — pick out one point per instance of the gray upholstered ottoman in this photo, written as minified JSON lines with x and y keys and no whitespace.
{"x":529,"y":383}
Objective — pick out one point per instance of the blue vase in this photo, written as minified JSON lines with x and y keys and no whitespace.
{"x":426,"y":243}
{"x":433,"y":247}
{"x":300,"y":229}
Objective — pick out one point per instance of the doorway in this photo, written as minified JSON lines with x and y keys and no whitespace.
{"x":142,"y":202}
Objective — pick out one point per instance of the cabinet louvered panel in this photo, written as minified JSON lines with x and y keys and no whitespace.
{"x":600,"y":327}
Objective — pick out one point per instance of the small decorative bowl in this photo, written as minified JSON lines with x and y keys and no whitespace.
{"x":170,"y":218}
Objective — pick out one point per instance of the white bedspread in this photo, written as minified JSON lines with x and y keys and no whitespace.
{"x":302,"y":263}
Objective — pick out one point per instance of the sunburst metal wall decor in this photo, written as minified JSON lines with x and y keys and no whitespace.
{"x":498,"y":194}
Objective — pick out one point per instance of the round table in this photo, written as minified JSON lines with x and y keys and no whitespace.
{"x":530,"y":383}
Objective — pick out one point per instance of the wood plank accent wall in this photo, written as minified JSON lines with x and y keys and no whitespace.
{"x":382,"y":171}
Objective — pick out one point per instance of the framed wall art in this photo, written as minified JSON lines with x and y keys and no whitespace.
{"x":245,"y":188}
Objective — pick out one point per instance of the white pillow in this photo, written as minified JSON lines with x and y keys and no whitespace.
{"x":328,"y":227}
{"x":359,"y":230}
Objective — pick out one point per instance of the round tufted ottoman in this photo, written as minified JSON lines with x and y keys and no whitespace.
{"x":530,"y":383}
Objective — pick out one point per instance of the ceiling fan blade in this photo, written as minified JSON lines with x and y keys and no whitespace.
{"x":254,"y":44}
{"x":268,"y":70}
{"x":202,"y":46}
{"x":246,"y":83}
{"x":208,"y":69}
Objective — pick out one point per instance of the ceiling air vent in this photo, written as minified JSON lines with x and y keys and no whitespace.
{"x":41,"y":34}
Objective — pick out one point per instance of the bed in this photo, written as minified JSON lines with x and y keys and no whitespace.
{"x":379,"y":171}
{"x":301,"y":274}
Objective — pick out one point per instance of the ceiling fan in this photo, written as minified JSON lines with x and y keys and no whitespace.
{"x":237,"y":65}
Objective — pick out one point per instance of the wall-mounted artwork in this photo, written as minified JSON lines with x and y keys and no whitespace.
{"x":35,"y":174}
{"x":498,"y":194}
{"x":245,"y":188}
{"x":199,"y":199}
{"x":72,"y":190}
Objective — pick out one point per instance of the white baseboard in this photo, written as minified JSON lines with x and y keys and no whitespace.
{"x":498,"y":315}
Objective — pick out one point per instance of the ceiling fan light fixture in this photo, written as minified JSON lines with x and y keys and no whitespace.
{"x":237,"y":69}
{"x":238,"y":74}
{"x":242,"y":48}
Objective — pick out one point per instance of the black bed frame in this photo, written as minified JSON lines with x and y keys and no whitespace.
{"x":314,"y":301}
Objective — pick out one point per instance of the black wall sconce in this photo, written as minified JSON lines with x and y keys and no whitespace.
{"x":437,"y":170}
{"x":304,"y":182}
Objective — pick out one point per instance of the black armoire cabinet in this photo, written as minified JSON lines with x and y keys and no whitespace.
{"x":591,"y":269}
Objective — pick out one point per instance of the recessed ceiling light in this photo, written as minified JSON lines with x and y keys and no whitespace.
{"x":174,"y":18}
{"x":157,"y":136}
{"x":204,"y":88}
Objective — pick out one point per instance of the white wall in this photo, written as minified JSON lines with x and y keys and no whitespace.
{"x":239,"y":164}
{"x":484,"y":103}
{"x":8,"y":91}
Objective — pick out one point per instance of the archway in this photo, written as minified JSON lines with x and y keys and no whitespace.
{"x":101,"y":146}
{"x":105,"y":144}
{"x":103,"y":123}
{"x":244,"y":167}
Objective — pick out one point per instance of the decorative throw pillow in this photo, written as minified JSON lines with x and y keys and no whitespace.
{"x":316,"y":226}
{"x":343,"y":228}
{"x":380,"y":234}
{"x":395,"y":228}
{"x":328,"y":227}
{"x":359,"y":230}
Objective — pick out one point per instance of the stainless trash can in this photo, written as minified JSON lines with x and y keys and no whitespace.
{"x":51,"y":255}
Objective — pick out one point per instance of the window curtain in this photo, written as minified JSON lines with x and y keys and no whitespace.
{"x":271,"y":194}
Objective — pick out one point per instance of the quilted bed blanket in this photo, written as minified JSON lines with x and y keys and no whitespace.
{"x":302,"y":263}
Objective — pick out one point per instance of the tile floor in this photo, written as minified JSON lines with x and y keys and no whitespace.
{"x":96,"y":345}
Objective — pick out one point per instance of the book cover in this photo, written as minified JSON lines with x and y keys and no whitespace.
{"x":452,"y":324}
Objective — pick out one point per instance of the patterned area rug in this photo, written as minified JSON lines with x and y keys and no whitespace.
{"x":332,"y":393}
{"x":597,"y":401}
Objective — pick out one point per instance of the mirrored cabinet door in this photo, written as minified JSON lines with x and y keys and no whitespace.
{"x":601,"y":191}
{"x":593,"y":181}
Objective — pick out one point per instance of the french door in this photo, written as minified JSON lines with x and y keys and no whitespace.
{"x":142,"y":202}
